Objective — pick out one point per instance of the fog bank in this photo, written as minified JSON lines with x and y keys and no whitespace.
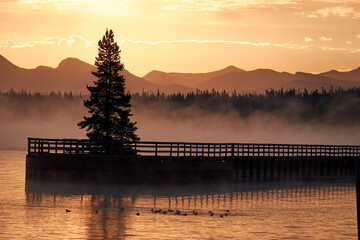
{"x":167,"y":122}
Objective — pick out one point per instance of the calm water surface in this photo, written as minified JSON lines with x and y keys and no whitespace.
{"x":37,"y":210}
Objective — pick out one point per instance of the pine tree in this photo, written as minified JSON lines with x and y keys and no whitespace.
{"x":109,"y":104}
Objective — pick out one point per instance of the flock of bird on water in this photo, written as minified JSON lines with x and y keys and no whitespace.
{"x":177,"y":212}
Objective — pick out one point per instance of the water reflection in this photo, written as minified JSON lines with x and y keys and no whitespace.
{"x":34,"y":209}
{"x":191,"y":196}
{"x":254,"y":210}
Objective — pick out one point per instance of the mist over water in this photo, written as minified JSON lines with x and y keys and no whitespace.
{"x":56,"y":118}
{"x":201,"y":126}
{"x":49,"y":122}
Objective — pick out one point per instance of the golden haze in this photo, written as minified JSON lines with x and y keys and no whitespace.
{"x":186,"y":36}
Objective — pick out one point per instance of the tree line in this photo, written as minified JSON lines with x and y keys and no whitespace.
{"x":335,"y":106}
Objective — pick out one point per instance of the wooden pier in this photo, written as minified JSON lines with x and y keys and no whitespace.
{"x":189,"y":162}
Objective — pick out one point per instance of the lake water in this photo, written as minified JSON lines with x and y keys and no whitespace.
{"x":37,"y":210}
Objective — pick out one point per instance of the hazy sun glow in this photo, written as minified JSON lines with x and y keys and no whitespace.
{"x":186,"y":35}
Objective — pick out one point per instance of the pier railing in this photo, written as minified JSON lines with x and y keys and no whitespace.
{"x":43,"y":146}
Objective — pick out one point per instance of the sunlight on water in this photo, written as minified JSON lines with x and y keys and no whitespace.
{"x":36,"y":209}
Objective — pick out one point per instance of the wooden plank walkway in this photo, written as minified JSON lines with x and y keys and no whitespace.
{"x":181,"y":150}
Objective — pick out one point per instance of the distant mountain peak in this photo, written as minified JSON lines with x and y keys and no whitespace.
{"x":154,"y":72}
{"x":69,"y":61}
{"x":4,"y":63}
{"x":232,"y":68}
{"x":75,"y":65}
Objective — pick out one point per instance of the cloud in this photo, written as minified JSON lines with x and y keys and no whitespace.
{"x":219,"y":5}
{"x":194,"y":41}
{"x":15,"y":44}
{"x":36,"y":2}
{"x":348,"y":42}
{"x":312,"y":16}
{"x":340,"y":49}
{"x":76,"y":38}
{"x":358,"y":35}
{"x":338,"y":11}
{"x":325,"y":38}
{"x":9,"y":2}
{"x":73,"y":38}
{"x":256,"y":44}
{"x":57,"y":5}
{"x":64,"y":2}
{"x":48,"y":41}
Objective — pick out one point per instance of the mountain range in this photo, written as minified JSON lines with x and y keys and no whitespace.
{"x":73,"y":75}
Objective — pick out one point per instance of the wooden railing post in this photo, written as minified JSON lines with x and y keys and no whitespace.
{"x":41,"y":146}
{"x":82,"y":147}
{"x":29,"y":140}
{"x":171,"y":146}
{"x":77,"y":148}
{"x":156,"y":149}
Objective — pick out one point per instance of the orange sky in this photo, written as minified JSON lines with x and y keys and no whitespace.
{"x":186,"y":35}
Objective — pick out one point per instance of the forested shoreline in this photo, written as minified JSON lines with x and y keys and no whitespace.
{"x":336,"y":106}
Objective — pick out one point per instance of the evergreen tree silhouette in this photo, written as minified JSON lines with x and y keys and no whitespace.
{"x":109,"y":104}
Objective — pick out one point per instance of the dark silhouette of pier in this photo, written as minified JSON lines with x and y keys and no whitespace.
{"x":188,"y":162}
